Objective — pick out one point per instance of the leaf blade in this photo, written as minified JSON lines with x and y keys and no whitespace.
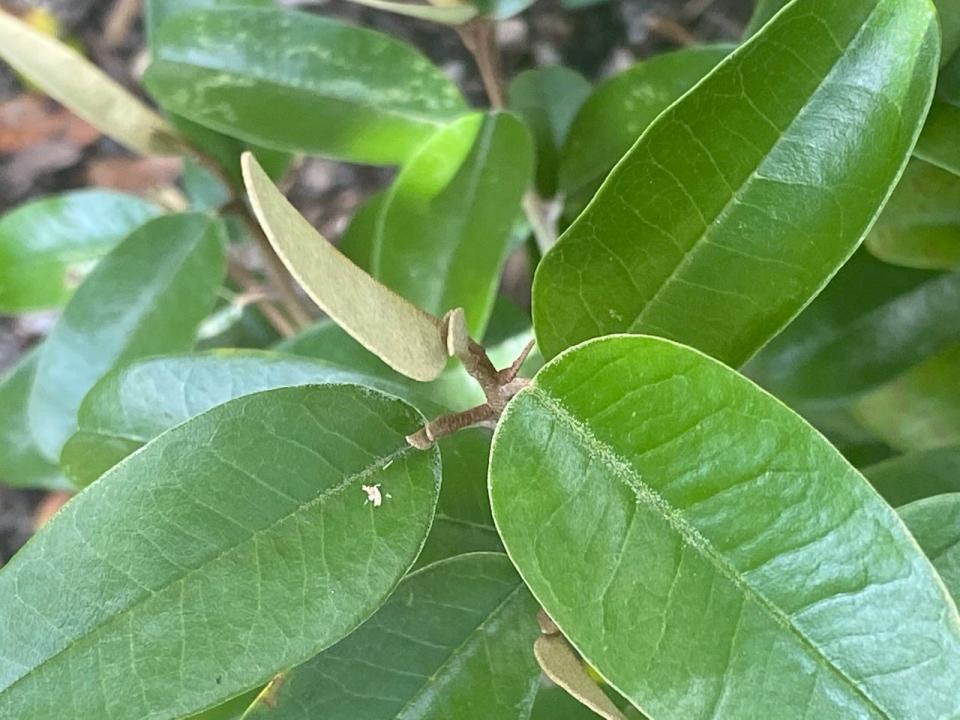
{"x":626,"y":447}
{"x":718,"y":236}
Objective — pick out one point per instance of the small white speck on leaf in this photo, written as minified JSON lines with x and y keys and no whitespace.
{"x":373,"y":494}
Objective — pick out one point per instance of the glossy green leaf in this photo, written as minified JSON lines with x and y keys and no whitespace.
{"x":917,"y":475}
{"x":409,"y":340}
{"x":548,"y":99}
{"x":156,"y":12}
{"x":935,"y":523}
{"x":133,"y":404}
{"x":463,"y":522}
{"x":948,"y":11}
{"x":920,"y":225}
{"x":621,"y":108}
{"x":938,"y":143}
{"x":148,"y":296}
{"x":872,"y":322}
{"x":718,"y":233}
{"x":71,"y":79}
{"x":21,"y":464}
{"x":446,"y":221}
{"x":235,"y":545}
{"x":920,"y":409}
{"x":298,"y":82}
{"x":693,"y":538}
{"x":454,"y":641}
{"x":47,"y":244}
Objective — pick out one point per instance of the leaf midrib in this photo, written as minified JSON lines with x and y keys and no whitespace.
{"x":361,"y":475}
{"x":645,"y":494}
{"x":691,"y":253}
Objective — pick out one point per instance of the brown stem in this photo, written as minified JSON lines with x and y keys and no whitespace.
{"x":271,"y":312}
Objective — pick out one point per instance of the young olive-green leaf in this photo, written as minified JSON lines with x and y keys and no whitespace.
{"x":920,"y":409}
{"x":454,"y":641}
{"x":406,"y":338}
{"x":621,"y":108}
{"x":548,"y":99}
{"x":935,"y":523}
{"x":298,"y":82}
{"x":137,"y":402}
{"x":742,"y":199}
{"x":21,"y":464}
{"x":463,"y":522}
{"x":917,"y":475}
{"x":148,"y":296}
{"x":694,"y":538}
{"x":68,"y":77}
{"x":447,"y":219}
{"x":920,"y":225}
{"x":872,"y":322}
{"x":231,"y":547}
{"x":46,"y":245}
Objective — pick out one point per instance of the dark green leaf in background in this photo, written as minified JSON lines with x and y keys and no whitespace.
{"x":740,"y":201}
{"x":298,"y":82}
{"x":938,"y":143}
{"x":935,"y":523}
{"x":500,"y":9}
{"x":132,"y":405}
{"x":917,"y":475}
{"x":548,"y":99}
{"x":446,"y":221}
{"x":872,"y":322}
{"x":920,"y":225}
{"x":360,"y":236}
{"x":454,"y":641}
{"x":233,"y":546}
{"x":463,"y":522}
{"x":621,"y":108}
{"x":148,"y":296}
{"x":693,"y":538}
{"x":21,"y":464}
{"x":233,"y":709}
{"x":920,"y":409}
{"x":46,"y":245}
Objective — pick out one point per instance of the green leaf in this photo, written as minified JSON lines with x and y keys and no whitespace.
{"x":621,"y":108}
{"x":555,"y":703}
{"x":501,"y":9}
{"x":872,"y":322}
{"x":409,"y":340}
{"x":938,"y":143}
{"x":45,"y":245}
{"x":232,"y":546}
{"x":21,"y":464}
{"x":300,"y":82}
{"x":717,"y":234}
{"x":463,"y":522}
{"x":548,"y":99}
{"x":148,"y":296}
{"x":68,"y":77}
{"x":447,"y":220}
{"x":920,"y":409}
{"x":917,"y":475}
{"x":452,"y":14}
{"x":935,"y":523}
{"x":134,"y":404}
{"x":920,"y":225}
{"x":156,"y":12}
{"x":693,"y":538}
{"x":230,"y":710}
{"x":454,"y":641}
{"x":357,"y":243}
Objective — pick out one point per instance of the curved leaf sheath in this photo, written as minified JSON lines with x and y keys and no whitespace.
{"x":696,"y":539}
{"x":740,"y":201}
{"x":233,"y":546}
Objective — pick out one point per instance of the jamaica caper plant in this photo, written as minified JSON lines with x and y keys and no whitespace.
{"x":732,"y":490}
